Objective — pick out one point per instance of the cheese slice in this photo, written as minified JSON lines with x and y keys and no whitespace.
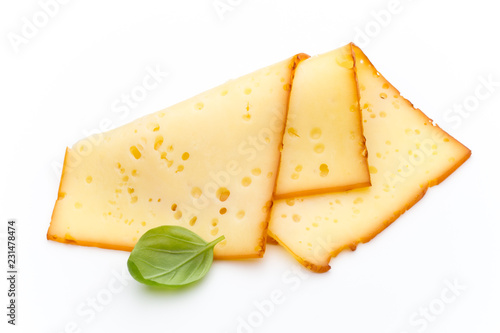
{"x":323,"y":147}
{"x":407,"y":154}
{"x":208,"y":164}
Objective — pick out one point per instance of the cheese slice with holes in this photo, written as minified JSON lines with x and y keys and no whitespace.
{"x":407,"y":153}
{"x":208,"y":164}
{"x":323,"y":147}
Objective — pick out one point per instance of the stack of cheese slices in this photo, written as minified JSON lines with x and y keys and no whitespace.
{"x":318,"y":153}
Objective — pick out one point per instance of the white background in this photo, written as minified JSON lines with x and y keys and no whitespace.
{"x":59,"y":85}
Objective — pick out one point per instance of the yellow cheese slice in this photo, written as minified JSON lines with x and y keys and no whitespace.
{"x":323,"y":147}
{"x":407,"y":153}
{"x":208,"y":164}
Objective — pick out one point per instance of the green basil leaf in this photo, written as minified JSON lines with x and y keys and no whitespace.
{"x":171,"y":256}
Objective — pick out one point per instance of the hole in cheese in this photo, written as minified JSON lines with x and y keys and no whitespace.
{"x":358,"y":200}
{"x":135,"y":152}
{"x":315,"y":133}
{"x":256,"y":172}
{"x":246,"y":181}
{"x":196,"y":192}
{"x":158,"y":142}
{"x":222,"y":194}
{"x":193,"y":221}
{"x":154,"y":127}
{"x":319,"y":148}
{"x":323,"y":168}
{"x":373,"y":169}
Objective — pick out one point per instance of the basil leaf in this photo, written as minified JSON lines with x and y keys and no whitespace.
{"x":171,"y":256}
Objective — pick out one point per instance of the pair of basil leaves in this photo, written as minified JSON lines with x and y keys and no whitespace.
{"x":171,"y":256}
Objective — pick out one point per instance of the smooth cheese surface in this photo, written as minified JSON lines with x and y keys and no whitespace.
{"x":323,"y":147}
{"x":208,"y":164}
{"x":407,"y":153}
